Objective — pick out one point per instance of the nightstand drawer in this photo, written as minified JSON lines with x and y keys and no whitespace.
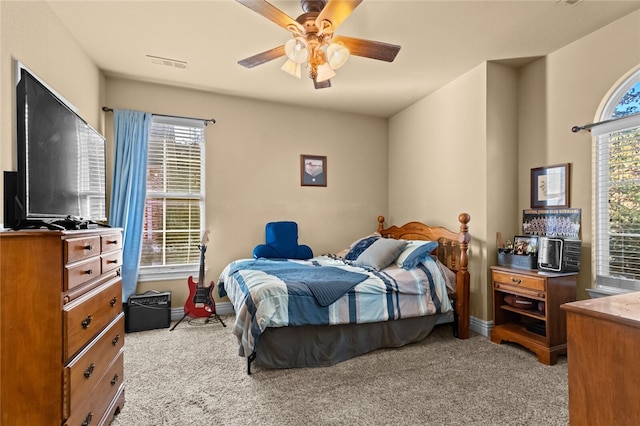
{"x":519,"y":281}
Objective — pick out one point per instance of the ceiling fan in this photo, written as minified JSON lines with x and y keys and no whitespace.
{"x":314,"y":44}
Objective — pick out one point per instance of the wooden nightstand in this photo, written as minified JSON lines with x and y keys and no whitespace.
{"x":542,"y":331}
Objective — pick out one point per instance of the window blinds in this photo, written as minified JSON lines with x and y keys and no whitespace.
{"x":174,"y":208}
{"x":617,"y":207}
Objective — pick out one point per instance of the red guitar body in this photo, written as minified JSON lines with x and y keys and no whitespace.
{"x":200,"y":303}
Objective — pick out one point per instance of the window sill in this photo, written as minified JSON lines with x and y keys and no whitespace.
{"x":167,"y":274}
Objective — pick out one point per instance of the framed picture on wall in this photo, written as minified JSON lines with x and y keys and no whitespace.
{"x":550,"y":186}
{"x":313,"y":170}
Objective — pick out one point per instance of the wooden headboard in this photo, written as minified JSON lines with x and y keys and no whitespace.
{"x":451,"y":251}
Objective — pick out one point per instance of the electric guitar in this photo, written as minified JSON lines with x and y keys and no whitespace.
{"x":200,"y":303}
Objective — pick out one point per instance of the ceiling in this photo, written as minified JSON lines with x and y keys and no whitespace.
{"x":440,"y":41}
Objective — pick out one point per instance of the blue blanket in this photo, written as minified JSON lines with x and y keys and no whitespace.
{"x":326,"y":283}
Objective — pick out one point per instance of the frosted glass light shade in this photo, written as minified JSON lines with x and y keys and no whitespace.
{"x":292,"y":68}
{"x":297,"y":50}
{"x":337,"y":55}
{"x":325,"y":73}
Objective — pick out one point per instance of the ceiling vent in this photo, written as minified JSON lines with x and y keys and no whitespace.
{"x":570,"y":2}
{"x":157,"y":60}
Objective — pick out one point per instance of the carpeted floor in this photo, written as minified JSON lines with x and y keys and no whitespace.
{"x":193,"y":375}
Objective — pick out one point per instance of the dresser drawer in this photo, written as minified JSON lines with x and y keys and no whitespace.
{"x":111,"y":242}
{"x":83,"y":373}
{"x":81,"y":272}
{"x":519,"y":281}
{"x":111,"y":261}
{"x":87,"y":315}
{"x":92,"y":409}
{"x":81,"y":248}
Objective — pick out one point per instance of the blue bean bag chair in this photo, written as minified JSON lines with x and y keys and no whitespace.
{"x":281,"y":242}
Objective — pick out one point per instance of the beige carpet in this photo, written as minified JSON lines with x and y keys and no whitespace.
{"x":193,"y":376}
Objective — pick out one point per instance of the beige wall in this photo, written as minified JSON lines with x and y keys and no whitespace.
{"x":462,"y":122}
{"x":565,"y":90}
{"x":253,"y":170}
{"x":460,"y":144}
{"x":31,"y":33}
{"x":253,"y":151}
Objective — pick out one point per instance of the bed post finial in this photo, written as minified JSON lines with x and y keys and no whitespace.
{"x":380,"y":223}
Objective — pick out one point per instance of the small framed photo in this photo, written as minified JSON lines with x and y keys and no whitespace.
{"x":550,"y":186}
{"x":525,"y":245}
{"x":313,"y":170}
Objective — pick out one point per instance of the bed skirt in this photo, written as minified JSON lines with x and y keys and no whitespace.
{"x":325,"y":345}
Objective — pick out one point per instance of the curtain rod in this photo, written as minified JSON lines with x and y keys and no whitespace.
{"x":576,"y":129}
{"x":206,"y":120}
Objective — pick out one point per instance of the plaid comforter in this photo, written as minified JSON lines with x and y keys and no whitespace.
{"x":263,"y":296}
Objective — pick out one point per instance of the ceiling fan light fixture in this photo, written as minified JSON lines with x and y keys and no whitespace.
{"x":337,"y":55}
{"x":297,"y":50}
{"x":325,"y":72}
{"x":292,"y":68}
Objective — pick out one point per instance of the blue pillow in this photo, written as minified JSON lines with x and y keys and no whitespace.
{"x":360,"y":246}
{"x":415,"y":251}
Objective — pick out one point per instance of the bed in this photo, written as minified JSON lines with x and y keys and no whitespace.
{"x":321,"y":311}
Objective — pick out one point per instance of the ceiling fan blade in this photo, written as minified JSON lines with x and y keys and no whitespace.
{"x":322,"y":84}
{"x":263,"y":57}
{"x":336,"y":11}
{"x":272,"y":13}
{"x":369,"y":49}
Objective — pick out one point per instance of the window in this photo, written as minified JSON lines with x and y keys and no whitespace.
{"x":617,"y":186}
{"x":174,"y":205}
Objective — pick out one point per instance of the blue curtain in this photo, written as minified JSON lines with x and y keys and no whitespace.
{"x":131,"y":131}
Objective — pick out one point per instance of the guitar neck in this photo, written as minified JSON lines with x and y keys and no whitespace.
{"x":201,"y":276}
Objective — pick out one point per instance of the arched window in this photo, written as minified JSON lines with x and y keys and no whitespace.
{"x":617,"y":189}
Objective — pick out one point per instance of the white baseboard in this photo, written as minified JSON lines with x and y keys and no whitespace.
{"x":480,"y":326}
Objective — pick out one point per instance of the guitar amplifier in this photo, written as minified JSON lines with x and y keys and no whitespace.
{"x":147,"y":311}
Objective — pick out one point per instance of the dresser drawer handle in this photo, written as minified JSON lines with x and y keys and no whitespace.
{"x":88,"y":247}
{"x":112,"y":242}
{"x":114,"y":261}
{"x":86,"y":322}
{"x":114,"y":380}
{"x":115,"y":340}
{"x":113,"y":301}
{"x":88,"y":272}
{"x":516,"y":280}
{"x":89,"y":371}
{"x":87,"y":420}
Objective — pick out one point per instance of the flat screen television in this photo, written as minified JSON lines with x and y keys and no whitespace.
{"x":61,"y":162}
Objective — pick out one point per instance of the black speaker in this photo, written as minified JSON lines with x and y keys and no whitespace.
{"x":147,"y":311}
{"x":10,"y":188}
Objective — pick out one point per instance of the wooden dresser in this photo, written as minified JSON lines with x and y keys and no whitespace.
{"x":603,"y":338}
{"x":61,"y":327}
